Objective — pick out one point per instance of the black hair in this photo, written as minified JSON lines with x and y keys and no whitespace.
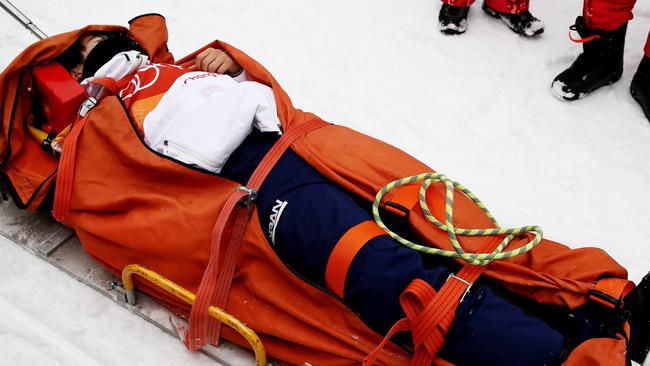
{"x":71,"y":57}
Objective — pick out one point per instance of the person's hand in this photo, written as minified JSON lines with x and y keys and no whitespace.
{"x":217,"y":61}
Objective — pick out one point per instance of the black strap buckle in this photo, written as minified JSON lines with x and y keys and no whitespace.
{"x":605,"y":299}
{"x":46,"y":144}
{"x":248,"y":201}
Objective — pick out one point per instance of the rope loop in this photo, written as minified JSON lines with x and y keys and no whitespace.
{"x":478,"y":259}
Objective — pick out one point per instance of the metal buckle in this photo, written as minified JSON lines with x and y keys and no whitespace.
{"x":469,"y":285}
{"x":86,"y":106}
{"x":248,"y":201}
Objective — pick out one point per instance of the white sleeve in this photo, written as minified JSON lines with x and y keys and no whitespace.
{"x":266,"y":114}
{"x":243,"y":76}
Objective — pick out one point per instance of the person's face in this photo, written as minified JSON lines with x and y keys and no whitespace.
{"x":87,"y":43}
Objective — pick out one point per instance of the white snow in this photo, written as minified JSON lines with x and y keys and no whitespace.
{"x":460,"y":28}
{"x":557,"y":88}
{"x":476,"y":107}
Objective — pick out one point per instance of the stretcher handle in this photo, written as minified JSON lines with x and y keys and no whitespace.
{"x":188,"y":297}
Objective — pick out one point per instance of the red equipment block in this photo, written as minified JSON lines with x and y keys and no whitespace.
{"x":61,"y":94}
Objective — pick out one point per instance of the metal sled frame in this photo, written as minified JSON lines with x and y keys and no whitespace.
{"x":189,"y":297}
{"x":40,"y":235}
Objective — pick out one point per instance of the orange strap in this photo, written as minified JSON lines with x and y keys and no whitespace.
{"x":402,"y":325}
{"x":429,"y":315}
{"x":610,"y":291}
{"x":583,"y":40}
{"x":217,"y":280}
{"x":344,"y":252}
{"x":65,"y":173}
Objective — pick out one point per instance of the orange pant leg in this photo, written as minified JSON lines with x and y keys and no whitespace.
{"x":504,"y":6}
{"x":461,"y":3}
{"x":508,"y":6}
{"x":607,"y":14}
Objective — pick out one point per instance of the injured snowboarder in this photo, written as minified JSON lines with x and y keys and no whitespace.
{"x":212,"y":115}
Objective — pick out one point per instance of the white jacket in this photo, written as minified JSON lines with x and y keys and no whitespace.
{"x":202,"y":117}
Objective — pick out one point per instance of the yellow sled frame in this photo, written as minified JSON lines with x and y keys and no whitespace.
{"x":188,"y":297}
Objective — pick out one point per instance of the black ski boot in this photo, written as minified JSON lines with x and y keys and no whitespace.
{"x":637,"y":304}
{"x":523,"y":23}
{"x":453,"y":19}
{"x":600,"y":63}
{"x":640,"y":87}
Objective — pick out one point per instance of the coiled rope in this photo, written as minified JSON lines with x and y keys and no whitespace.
{"x":479,"y":259}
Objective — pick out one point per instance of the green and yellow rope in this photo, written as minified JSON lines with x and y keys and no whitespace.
{"x":479,"y":259}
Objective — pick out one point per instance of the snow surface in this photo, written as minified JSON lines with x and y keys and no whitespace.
{"x":477,"y":107}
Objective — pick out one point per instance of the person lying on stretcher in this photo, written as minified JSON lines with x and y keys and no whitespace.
{"x":212,"y":117}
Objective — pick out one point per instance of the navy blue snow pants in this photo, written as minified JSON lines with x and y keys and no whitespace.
{"x":310,"y":216}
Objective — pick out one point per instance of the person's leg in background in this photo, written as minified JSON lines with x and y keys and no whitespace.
{"x":602,"y":28}
{"x":452,"y":18}
{"x":516,"y":15}
{"x":640,"y":87}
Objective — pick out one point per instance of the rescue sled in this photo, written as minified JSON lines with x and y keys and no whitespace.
{"x":110,"y":185}
{"x":57,"y":245}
